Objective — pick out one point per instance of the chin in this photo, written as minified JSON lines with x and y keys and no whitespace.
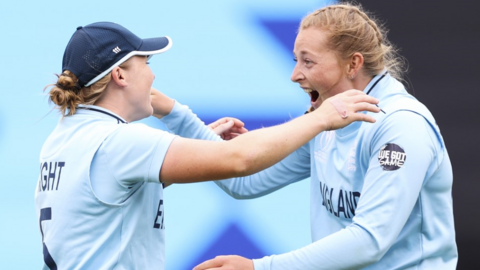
{"x":149,"y":111}
{"x":144,"y":114}
{"x":317,"y":105}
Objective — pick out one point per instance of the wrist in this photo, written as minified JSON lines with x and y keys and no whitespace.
{"x":320,"y":121}
{"x":162,"y":107}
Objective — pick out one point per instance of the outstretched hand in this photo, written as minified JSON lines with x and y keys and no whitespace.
{"x":161,"y":103}
{"x":228,"y":127}
{"x":231,"y":262}
{"x":344,"y":108}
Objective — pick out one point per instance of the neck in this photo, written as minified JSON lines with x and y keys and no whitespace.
{"x":358,"y":83}
{"x":114,"y":101}
{"x":361,"y":81}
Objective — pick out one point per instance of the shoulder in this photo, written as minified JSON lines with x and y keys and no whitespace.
{"x":406,"y":120}
{"x":139,"y":131}
{"x":135,"y":137}
{"x":403,"y":109}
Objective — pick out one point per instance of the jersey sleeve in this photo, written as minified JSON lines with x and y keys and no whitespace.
{"x":293,"y":168}
{"x":391,"y":189}
{"x":135,"y":153}
{"x":183,"y":122}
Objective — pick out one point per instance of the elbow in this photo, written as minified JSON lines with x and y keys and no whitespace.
{"x":241,"y":168}
{"x":244,"y":163}
{"x":371,"y":254}
{"x":377,"y":245}
{"x":246,"y":158}
{"x":239,"y":188}
{"x":374,"y":257}
{"x":238,"y":196}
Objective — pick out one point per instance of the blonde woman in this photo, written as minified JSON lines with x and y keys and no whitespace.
{"x":381,"y":194}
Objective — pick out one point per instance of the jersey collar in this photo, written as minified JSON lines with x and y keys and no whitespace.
{"x":103,"y":111}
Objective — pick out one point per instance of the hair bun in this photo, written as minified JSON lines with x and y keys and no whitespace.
{"x":67,"y":82}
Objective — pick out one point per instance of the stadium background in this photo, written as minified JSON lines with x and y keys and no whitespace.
{"x":229,"y":58}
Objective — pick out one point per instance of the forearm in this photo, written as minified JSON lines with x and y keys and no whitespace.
{"x":245,"y":155}
{"x":183,"y":122}
{"x":259,"y":149}
{"x":293,"y":168}
{"x":262,"y":148}
{"x":350,"y":248}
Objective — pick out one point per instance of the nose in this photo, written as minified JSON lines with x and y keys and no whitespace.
{"x":297,"y":75}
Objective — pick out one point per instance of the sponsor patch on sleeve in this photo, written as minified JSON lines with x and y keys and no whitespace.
{"x":391,"y":157}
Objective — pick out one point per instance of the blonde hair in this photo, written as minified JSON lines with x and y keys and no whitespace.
{"x":67,"y":93}
{"x":352,"y":30}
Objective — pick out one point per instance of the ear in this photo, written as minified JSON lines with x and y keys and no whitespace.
{"x":355,"y":63}
{"x":119,"y":76}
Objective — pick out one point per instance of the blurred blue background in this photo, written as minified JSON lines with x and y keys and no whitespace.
{"x":229,"y":58}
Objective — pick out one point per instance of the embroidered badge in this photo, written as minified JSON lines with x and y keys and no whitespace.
{"x":391,"y":157}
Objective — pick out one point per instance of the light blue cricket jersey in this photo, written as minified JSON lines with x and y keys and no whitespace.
{"x":99,"y":200}
{"x":381,"y":194}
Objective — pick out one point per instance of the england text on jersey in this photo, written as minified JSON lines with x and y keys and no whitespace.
{"x":344,"y":202}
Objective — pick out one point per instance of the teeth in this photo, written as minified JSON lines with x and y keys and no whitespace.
{"x":307,"y":90}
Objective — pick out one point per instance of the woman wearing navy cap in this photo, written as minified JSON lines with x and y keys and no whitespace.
{"x":99,"y":196}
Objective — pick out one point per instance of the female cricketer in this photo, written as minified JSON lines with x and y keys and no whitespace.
{"x":381,"y":194}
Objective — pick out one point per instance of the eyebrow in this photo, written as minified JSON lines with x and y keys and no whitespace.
{"x":301,"y":52}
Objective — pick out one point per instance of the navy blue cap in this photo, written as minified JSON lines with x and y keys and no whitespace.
{"x":94,"y":50}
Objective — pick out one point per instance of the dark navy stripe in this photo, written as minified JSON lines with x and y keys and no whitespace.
{"x":370,"y":90}
{"x":120,"y":120}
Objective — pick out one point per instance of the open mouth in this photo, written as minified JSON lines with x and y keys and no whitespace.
{"x":313,"y":94}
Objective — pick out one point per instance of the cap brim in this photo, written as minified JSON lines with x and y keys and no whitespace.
{"x":149,"y":47}
{"x":155,"y":45}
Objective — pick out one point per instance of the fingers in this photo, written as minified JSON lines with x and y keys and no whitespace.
{"x":367,"y":118}
{"x":354,"y":101}
{"x":213,"y":263}
{"x":239,"y":130}
{"x":229,"y":262}
{"x":228,"y":127}
{"x":364,"y":106}
{"x":237,"y":123}
{"x":220,"y":129}
{"x":358,"y":108}
{"x":347,"y":107}
{"x":366,"y":98}
{"x":227,"y":131}
{"x":215,"y":124}
{"x":362,"y":117}
{"x":352,"y":92}
{"x":358,"y":96}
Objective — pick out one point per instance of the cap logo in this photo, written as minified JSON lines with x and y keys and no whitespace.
{"x":116,"y":50}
